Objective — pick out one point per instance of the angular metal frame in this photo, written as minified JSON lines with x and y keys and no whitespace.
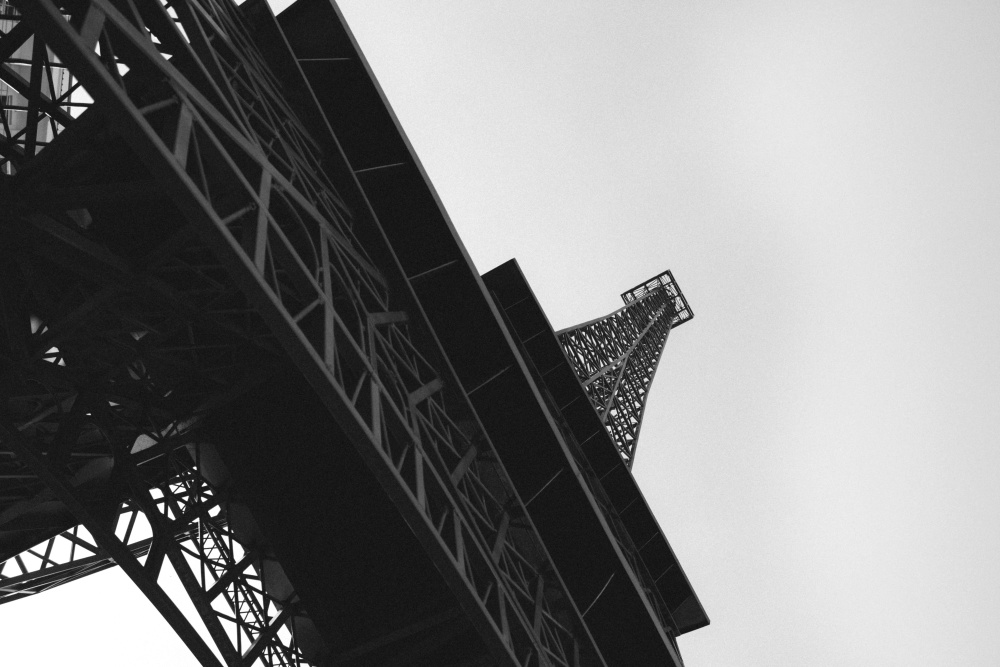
{"x":273,"y":263}
{"x":615,"y":357}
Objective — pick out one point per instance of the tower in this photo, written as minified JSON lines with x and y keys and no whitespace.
{"x":615,"y":357}
{"x":230,"y":344}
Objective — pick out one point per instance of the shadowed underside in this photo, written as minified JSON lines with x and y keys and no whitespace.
{"x":224,"y":350}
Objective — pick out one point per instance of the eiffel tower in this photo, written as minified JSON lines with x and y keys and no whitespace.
{"x":240,"y":336}
{"x":616,"y":356}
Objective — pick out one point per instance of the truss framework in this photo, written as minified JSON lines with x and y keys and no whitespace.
{"x":258,"y":267}
{"x":615,"y":357}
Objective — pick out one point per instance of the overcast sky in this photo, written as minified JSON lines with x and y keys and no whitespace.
{"x":822,"y":178}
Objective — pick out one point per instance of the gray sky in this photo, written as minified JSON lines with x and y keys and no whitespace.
{"x":822,"y":180}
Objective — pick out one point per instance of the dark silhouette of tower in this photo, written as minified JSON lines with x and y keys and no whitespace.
{"x":239,"y":334}
{"x":615,"y":357}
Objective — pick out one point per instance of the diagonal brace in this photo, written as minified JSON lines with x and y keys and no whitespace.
{"x":107,"y":541}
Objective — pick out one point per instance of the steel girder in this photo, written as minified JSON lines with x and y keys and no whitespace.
{"x":259,"y":266}
{"x":615,"y":357}
{"x":100,"y":462}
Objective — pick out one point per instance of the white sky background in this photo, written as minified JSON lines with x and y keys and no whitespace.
{"x":822,"y":178}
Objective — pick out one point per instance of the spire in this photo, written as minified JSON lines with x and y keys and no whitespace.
{"x":615,"y":357}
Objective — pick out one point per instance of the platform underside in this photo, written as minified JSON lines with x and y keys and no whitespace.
{"x":371,"y":591}
{"x":357,"y":566}
{"x":232,"y":304}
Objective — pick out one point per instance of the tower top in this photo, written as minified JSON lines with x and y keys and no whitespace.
{"x":615,"y":356}
{"x":682,"y":311}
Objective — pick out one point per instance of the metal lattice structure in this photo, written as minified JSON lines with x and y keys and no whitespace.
{"x":230,"y":348}
{"x":174,"y":242}
{"x":615,"y":357}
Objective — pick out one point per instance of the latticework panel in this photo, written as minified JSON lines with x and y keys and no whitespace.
{"x":615,"y":357}
{"x":200,"y":244}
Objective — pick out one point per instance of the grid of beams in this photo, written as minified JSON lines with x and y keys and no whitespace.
{"x":615,"y":357}
{"x":256,"y":266}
